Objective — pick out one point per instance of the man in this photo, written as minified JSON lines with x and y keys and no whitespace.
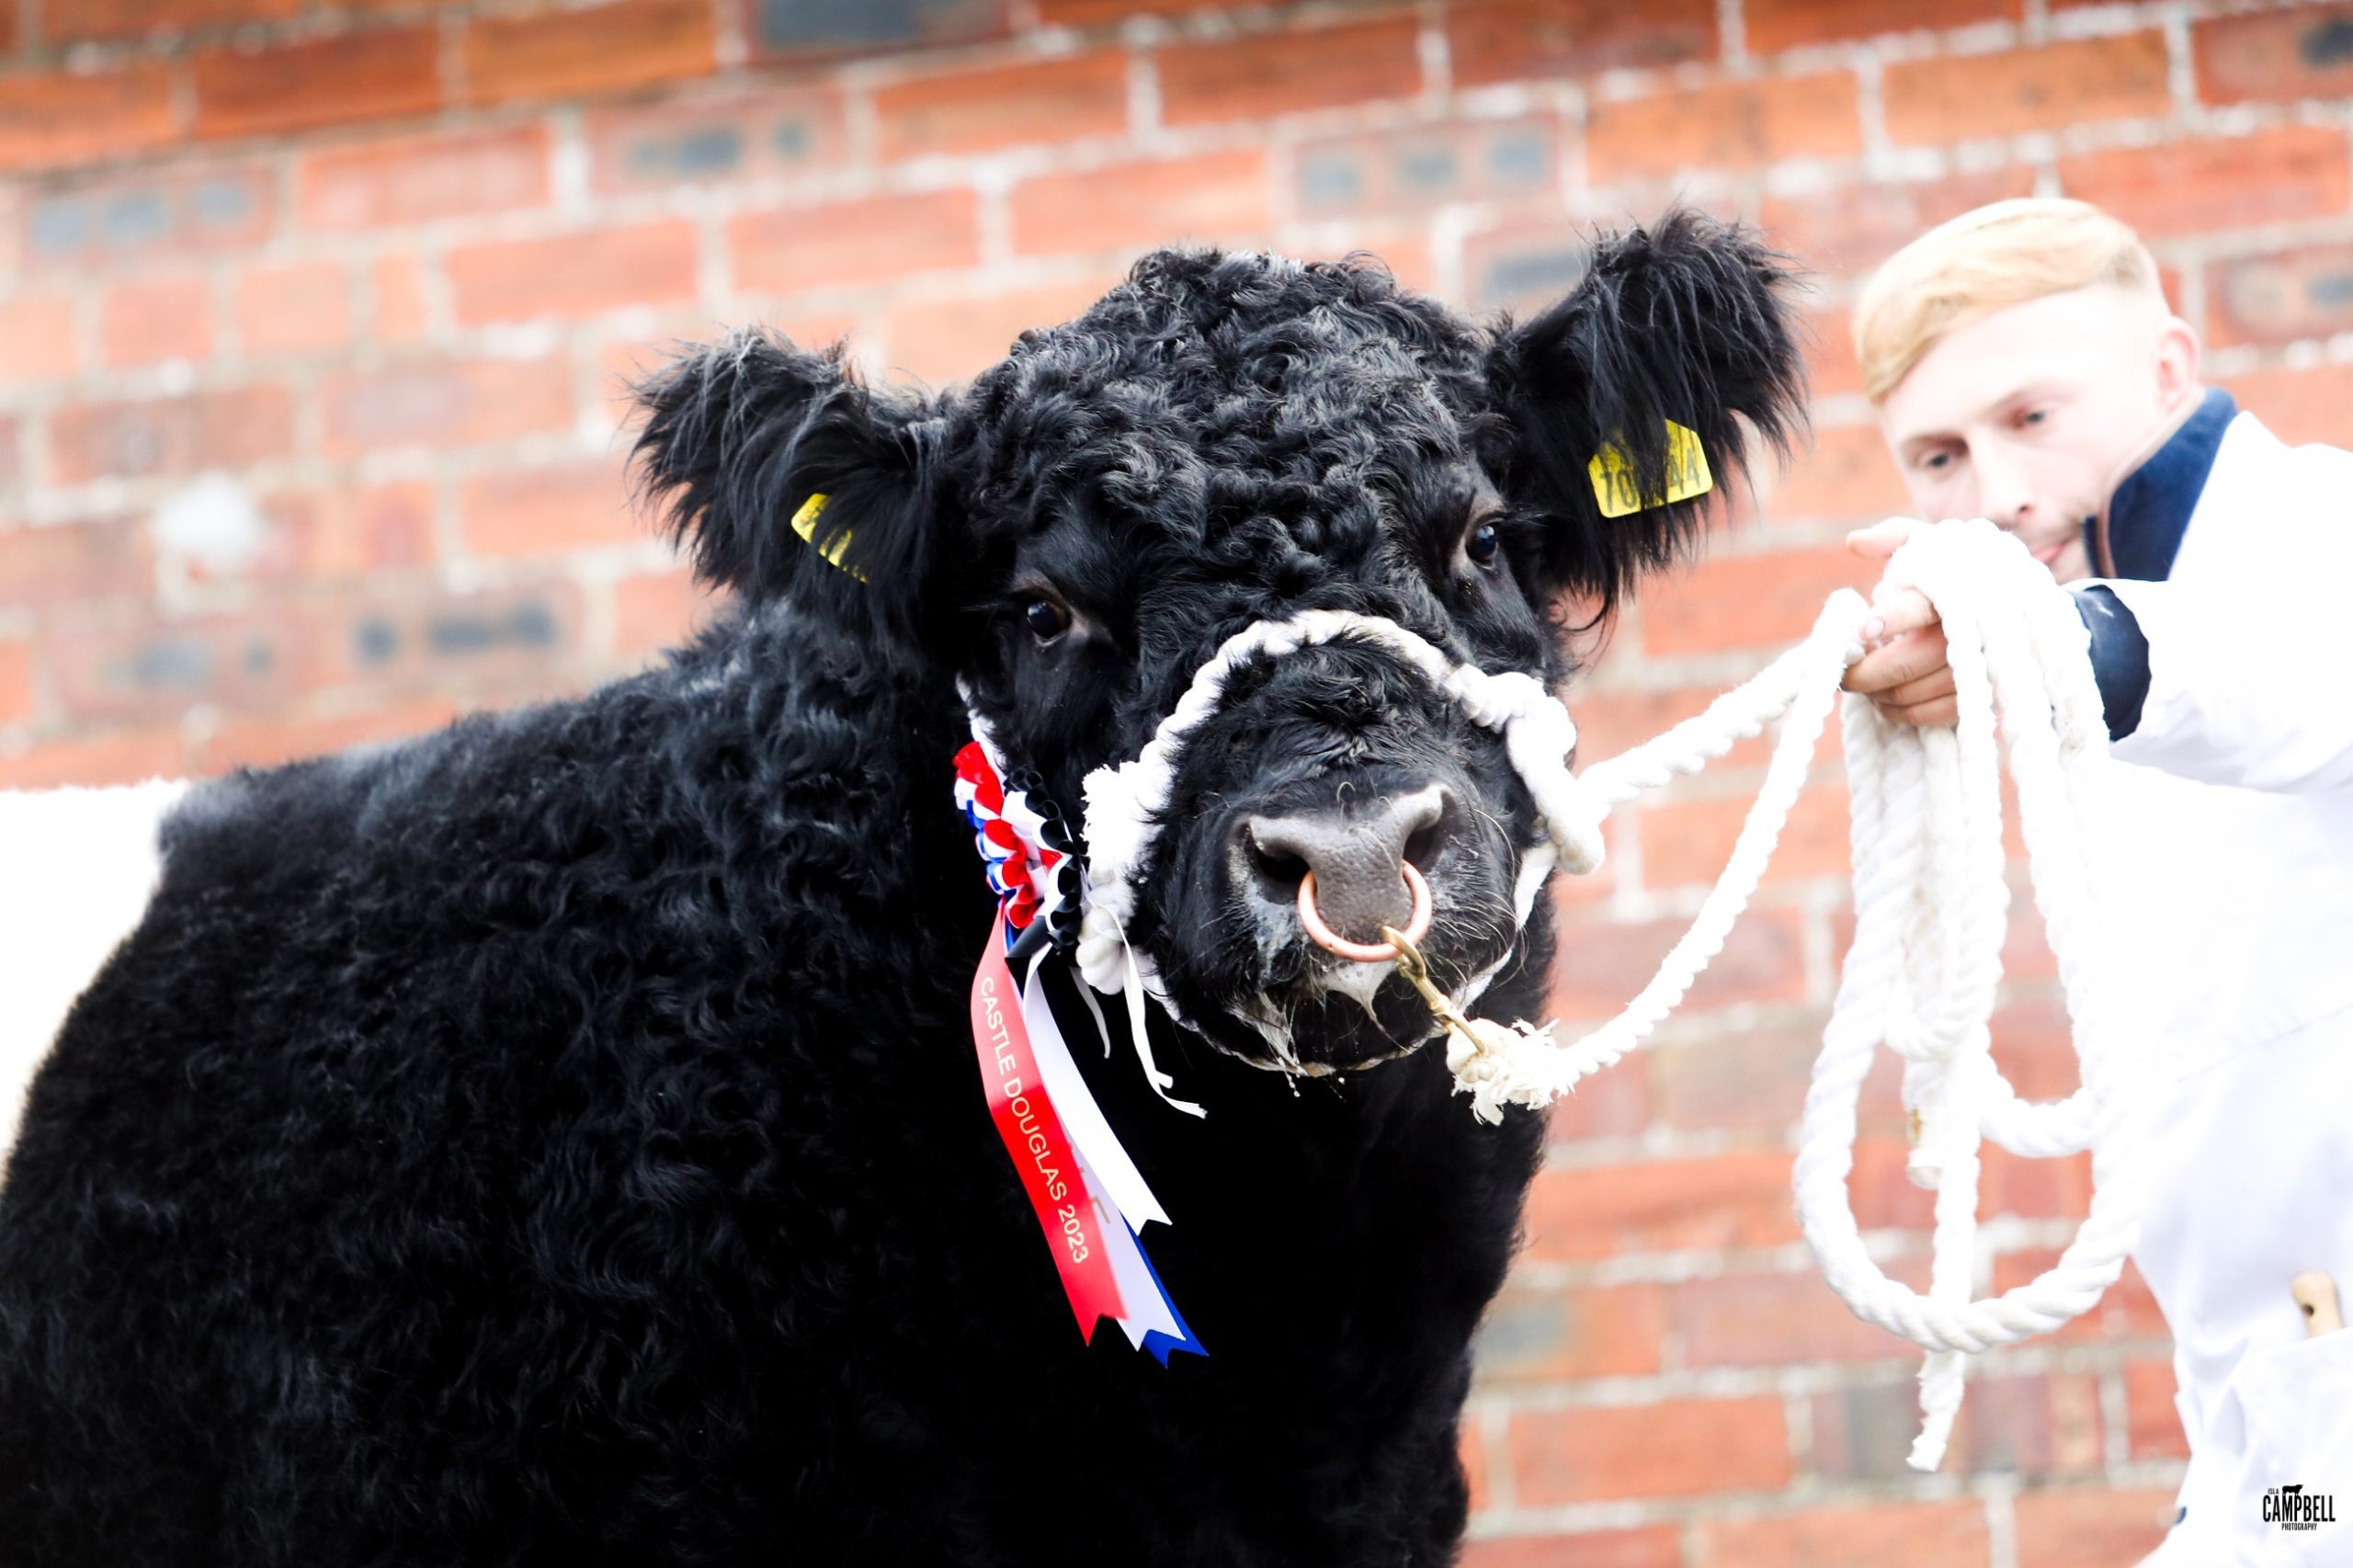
{"x":2025,"y":368}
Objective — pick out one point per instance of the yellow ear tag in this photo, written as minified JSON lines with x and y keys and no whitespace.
{"x":837,"y":545}
{"x":1686,"y":475}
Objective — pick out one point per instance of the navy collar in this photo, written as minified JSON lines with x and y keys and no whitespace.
{"x":2151,"y":510}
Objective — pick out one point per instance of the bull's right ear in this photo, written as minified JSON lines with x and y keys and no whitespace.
{"x":1630,"y":402}
{"x":784,"y":475}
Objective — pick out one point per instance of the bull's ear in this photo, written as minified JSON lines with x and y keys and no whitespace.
{"x":782,"y":475}
{"x":1675,"y":328}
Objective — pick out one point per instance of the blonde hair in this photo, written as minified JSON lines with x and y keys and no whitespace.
{"x":2001,"y":255}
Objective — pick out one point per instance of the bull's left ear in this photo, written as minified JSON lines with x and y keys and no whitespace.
{"x":789,"y":477}
{"x":1619,"y":402}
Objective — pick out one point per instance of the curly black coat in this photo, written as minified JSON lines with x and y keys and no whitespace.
{"x":558,"y":1141}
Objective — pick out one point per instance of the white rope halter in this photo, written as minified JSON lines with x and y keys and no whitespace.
{"x":1124,"y":803}
{"x":1930,"y":897}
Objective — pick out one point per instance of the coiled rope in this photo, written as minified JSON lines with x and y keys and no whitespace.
{"x":1930,"y":903}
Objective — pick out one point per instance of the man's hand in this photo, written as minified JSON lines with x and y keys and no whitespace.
{"x":1904,"y":670}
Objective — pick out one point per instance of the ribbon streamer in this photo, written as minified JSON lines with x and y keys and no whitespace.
{"x":1089,"y":1199}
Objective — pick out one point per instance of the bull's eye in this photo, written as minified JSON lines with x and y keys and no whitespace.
{"x":1045,"y":618}
{"x":1482,"y":544}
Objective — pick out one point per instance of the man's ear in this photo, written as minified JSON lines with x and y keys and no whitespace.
{"x":1687,"y":324}
{"x":2177,"y":363}
{"x":784,"y":475}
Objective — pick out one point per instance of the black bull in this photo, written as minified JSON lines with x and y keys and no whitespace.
{"x":558,"y":1140}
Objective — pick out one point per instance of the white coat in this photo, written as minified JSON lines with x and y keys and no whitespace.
{"x":2227,"y":873}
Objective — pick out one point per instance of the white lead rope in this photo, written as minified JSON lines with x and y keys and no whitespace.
{"x":1930,"y":901}
{"x":1930,"y":905}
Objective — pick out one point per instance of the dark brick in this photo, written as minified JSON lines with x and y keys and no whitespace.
{"x":1523,"y":268}
{"x":530,"y":624}
{"x":702,"y":150}
{"x":660,"y":146}
{"x":524,"y":635}
{"x":114,"y":218}
{"x":1403,"y":170}
{"x":1862,"y":1432}
{"x":144,"y":672}
{"x":2278,"y":299}
{"x":2306,"y":53}
{"x":827,"y":26}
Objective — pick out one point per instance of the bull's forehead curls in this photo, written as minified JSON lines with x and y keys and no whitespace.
{"x":1212,"y":391}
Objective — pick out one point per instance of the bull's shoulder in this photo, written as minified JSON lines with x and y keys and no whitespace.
{"x":762,"y":739}
{"x":744,"y":847}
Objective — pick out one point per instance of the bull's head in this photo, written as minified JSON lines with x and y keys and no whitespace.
{"x":1230,"y":439}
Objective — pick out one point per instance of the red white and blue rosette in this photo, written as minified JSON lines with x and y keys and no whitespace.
{"x":1045,"y":1114}
{"x":1026,"y":846}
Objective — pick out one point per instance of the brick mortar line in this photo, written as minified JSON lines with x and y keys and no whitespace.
{"x":1677,"y":1265}
{"x":1802,"y":1494}
{"x":1997,"y":1495}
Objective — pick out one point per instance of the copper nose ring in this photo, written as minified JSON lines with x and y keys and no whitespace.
{"x":1417,"y":924}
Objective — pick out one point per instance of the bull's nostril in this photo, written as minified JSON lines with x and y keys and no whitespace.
{"x":1422,"y":850}
{"x":1278,"y":871}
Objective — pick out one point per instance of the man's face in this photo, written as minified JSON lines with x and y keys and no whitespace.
{"x":2030,"y":416}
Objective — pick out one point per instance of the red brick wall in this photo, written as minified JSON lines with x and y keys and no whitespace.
{"x":311,"y":313}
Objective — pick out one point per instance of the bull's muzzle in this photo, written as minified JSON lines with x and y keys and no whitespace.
{"x":1350,"y":870}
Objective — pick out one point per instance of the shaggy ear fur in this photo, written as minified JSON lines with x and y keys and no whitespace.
{"x":739,"y":435}
{"x":1687,"y":321}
